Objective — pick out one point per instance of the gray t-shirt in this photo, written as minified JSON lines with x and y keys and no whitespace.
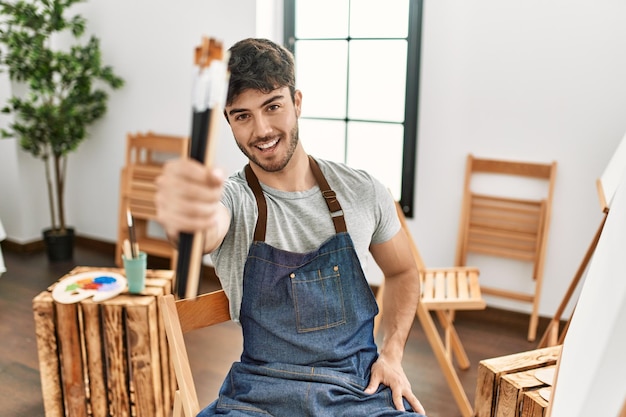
{"x":300,"y":221}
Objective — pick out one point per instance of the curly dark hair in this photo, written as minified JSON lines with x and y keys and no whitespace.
{"x":259,"y":64}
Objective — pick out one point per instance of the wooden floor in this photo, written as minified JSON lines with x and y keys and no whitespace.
{"x":485,"y":334}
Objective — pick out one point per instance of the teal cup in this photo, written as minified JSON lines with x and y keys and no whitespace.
{"x":135,"y":269}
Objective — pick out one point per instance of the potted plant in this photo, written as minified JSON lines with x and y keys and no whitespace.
{"x":64,"y":94}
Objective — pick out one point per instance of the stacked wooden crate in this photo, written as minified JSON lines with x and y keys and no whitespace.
{"x":108,"y":358}
{"x":510,"y":386}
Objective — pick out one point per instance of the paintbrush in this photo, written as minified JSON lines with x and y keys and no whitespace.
{"x":128,"y":254}
{"x":134,"y":247}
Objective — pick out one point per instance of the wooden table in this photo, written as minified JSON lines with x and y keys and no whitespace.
{"x":105,"y":359}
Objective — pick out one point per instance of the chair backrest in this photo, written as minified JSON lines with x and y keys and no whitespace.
{"x":508,"y":223}
{"x":145,"y":155}
{"x":505,"y":225}
{"x":180,"y":317}
{"x":153,"y":148}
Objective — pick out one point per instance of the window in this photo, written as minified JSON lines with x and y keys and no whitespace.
{"x":357,"y":64}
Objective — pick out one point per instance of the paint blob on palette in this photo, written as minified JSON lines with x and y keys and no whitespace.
{"x":101,"y":285}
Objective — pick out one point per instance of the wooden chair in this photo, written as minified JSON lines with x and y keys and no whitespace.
{"x":145,"y":155}
{"x":182,"y":316}
{"x":507,"y":226}
{"x":443,"y":291}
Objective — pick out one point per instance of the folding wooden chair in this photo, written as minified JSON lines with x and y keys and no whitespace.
{"x":443,"y":291}
{"x":145,"y":155}
{"x":182,"y":316}
{"x":501,"y":224}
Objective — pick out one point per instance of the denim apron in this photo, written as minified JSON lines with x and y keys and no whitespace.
{"x":307,"y":321}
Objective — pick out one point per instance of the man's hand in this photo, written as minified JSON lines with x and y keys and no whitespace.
{"x":391,"y":374}
{"x":188,"y":200}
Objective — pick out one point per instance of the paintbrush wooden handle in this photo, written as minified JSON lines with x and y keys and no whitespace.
{"x":128,"y":254}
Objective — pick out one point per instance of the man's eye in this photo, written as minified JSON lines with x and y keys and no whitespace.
{"x":273,"y":107}
{"x":242,"y":117}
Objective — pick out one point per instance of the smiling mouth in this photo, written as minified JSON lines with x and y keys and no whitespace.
{"x":266,"y":146}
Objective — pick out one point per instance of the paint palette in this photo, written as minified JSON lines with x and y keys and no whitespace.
{"x":101,"y":285}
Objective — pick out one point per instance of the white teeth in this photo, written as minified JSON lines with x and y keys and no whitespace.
{"x":268,"y":144}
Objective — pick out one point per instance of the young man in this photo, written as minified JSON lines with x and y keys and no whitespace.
{"x":287,"y":236}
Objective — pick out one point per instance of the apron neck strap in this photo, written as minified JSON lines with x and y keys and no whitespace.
{"x":261,"y":222}
{"x":329,"y":195}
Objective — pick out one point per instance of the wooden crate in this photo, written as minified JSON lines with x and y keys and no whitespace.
{"x":502,"y":381}
{"x":105,"y":359}
{"x":533,"y":404}
{"x":512,"y":390}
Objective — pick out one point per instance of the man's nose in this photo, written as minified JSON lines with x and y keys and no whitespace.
{"x":262,"y":126}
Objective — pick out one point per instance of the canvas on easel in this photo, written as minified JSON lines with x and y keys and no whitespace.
{"x":607,"y":186}
{"x":591,"y":367}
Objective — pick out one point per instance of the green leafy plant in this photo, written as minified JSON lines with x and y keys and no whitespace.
{"x":64,"y":93}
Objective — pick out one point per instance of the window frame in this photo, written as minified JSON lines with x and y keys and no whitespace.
{"x":411,"y":108}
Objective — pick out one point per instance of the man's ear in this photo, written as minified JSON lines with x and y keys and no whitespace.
{"x":297,"y":102}
{"x":226,"y":117}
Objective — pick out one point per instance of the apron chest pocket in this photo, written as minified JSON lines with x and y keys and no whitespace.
{"x":318,"y":299}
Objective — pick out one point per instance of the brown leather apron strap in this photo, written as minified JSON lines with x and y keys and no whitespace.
{"x":330,"y":197}
{"x":261,"y":222}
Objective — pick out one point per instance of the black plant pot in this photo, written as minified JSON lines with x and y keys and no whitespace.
{"x":59,"y":246}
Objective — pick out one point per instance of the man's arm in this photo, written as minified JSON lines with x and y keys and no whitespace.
{"x":401,"y":296}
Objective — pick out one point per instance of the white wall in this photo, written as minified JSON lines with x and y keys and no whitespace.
{"x":150,"y":44}
{"x":23,"y":193}
{"x":525,"y":80}
{"x":529,"y":80}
